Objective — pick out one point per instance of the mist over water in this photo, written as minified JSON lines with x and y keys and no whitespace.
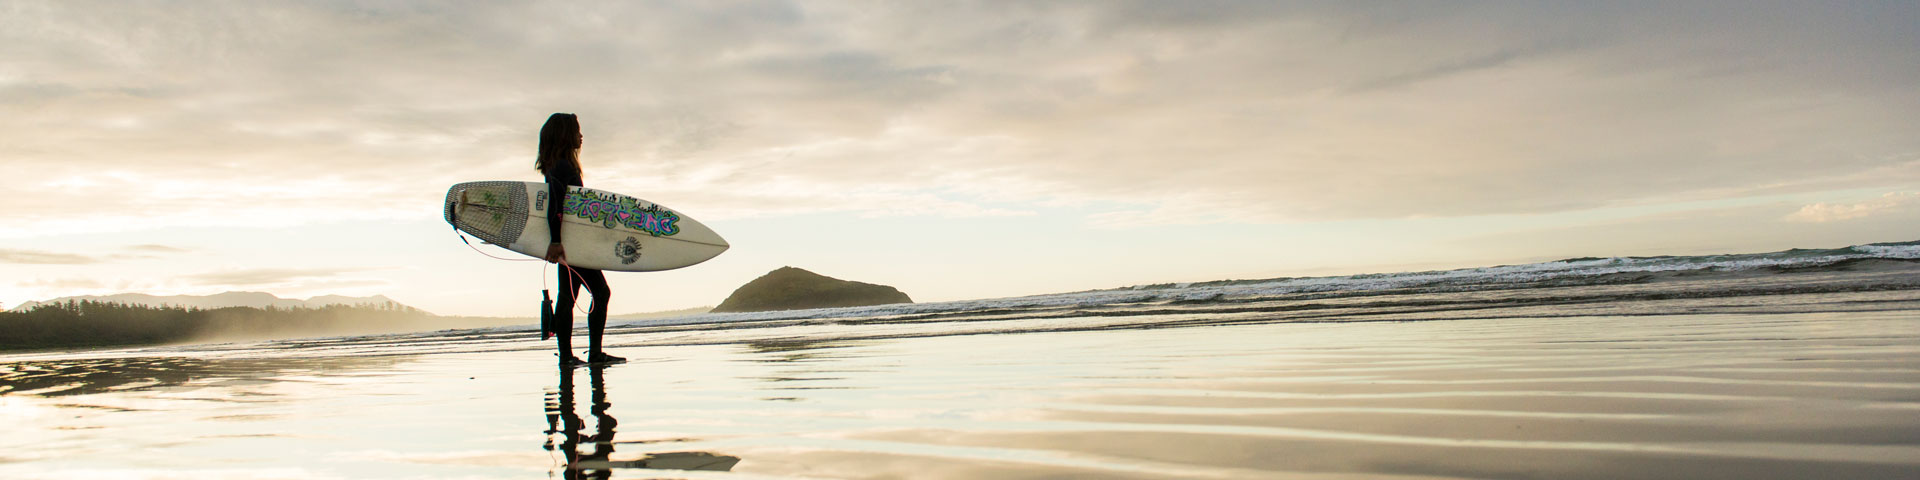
{"x":1786,"y":365}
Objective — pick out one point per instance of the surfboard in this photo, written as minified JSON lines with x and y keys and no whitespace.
{"x":600,"y":229}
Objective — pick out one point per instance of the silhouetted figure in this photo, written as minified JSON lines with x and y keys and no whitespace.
{"x":559,"y":161}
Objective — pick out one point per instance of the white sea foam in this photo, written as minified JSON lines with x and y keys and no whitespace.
{"x":1890,"y":251}
{"x":1570,"y":270}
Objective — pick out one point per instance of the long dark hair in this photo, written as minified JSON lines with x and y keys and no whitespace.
{"x":559,"y":144}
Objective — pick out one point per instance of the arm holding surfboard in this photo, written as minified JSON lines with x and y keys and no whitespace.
{"x":560,"y":175}
{"x":556,"y":253}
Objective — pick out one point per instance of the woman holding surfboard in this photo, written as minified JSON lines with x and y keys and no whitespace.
{"x":559,"y":161}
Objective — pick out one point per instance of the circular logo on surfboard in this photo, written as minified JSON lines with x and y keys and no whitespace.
{"x":628,"y":250}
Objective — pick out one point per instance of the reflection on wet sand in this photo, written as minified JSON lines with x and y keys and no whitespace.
{"x":564,"y":422}
{"x":796,"y":349}
{"x":55,"y":378}
{"x":793,"y":366}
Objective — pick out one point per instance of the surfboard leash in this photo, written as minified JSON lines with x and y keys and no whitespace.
{"x":582,"y":281}
{"x":543,"y":276}
{"x":463,"y":239}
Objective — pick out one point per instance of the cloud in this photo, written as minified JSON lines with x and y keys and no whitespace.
{"x":153,"y":248}
{"x":36,"y":257}
{"x":265,"y":276}
{"x":64,"y":284}
{"x":1478,"y":62}
{"x":147,"y":252}
{"x":190,"y":114}
{"x":1829,"y":212}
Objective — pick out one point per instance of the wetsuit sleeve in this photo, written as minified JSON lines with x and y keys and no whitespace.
{"x":556,"y":202}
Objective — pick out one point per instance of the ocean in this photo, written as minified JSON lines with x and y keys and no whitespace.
{"x":1795,"y":364}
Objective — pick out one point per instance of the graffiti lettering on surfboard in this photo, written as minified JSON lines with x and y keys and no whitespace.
{"x":612,"y":210}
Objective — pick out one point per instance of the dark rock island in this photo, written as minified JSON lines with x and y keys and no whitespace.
{"x":791,"y":288}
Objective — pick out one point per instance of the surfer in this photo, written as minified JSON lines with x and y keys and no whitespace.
{"x":559,"y":160}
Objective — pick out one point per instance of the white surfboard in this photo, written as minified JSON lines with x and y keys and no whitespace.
{"x":600,"y":229}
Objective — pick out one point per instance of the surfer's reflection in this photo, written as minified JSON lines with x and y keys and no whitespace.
{"x":569,"y":427}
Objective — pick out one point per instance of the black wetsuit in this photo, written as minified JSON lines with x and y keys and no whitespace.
{"x":559,"y":177}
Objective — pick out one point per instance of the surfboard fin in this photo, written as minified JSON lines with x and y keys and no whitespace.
{"x":546,"y":315}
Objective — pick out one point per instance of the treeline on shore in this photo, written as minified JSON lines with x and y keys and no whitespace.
{"x":74,"y":324}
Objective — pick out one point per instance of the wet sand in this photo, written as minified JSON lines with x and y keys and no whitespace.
{"x":1808,"y":395}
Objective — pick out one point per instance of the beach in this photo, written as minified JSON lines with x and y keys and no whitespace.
{"x":1717,"y":396}
{"x":1806,"y":372}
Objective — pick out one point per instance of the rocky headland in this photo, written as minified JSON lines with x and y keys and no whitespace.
{"x":789,"y":288}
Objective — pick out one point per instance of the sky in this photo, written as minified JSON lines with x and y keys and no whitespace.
{"x":954,"y":150}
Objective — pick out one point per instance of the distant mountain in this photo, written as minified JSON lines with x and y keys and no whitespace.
{"x":221,"y":300}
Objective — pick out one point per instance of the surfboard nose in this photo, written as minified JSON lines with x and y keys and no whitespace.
{"x":456,"y":206}
{"x":455,"y":197}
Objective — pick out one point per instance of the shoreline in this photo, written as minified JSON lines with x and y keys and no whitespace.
{"x":1787,"y":395}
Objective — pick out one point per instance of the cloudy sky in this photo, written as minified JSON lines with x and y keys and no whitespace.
{"x":955,"y":150}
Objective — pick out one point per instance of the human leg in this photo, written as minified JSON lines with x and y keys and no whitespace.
{"x":596,"y":283}
{"x":563,"y":313}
